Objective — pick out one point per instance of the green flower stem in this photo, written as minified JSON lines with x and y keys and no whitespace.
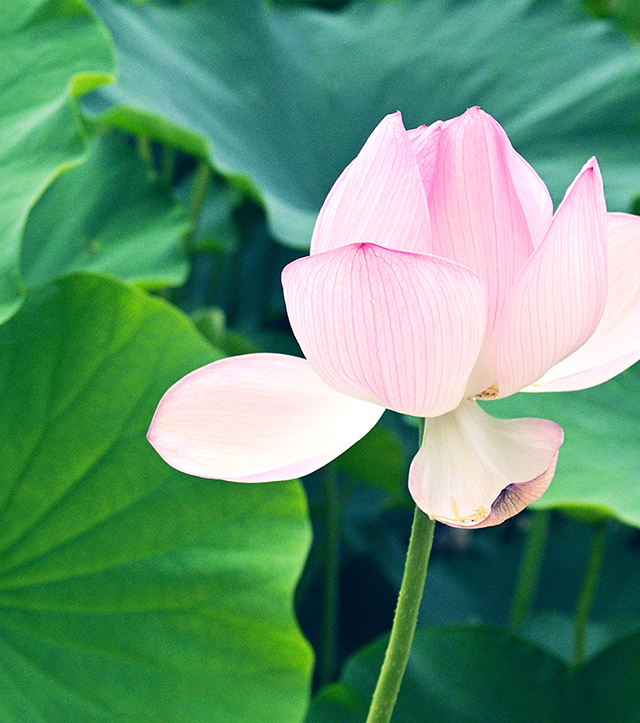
{"x":404,"y":623}
{"x":328,"y":648}
{"x":590,"y":585}
{"x":168,"y":165}
{"x":144,"y":151}
{"x":199,"y":188}
{"x":530,"y":566}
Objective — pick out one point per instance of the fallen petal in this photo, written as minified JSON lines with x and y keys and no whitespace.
{"x":397,"y":329}
{"x":256,"y":418}
{"x":379,"y":198}
{"x":473,"y":470}
{"x":615,"y":344}
{"x":559,"y":297}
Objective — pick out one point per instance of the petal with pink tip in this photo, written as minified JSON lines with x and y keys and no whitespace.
{"x":533,"y":194}
{"x":559,"y":297}
{"x":477,"y":216}
{"x":473,"y":470}
{"x":379,"y":198}
{"x":425,"y":142}
{"x":615,"y":344}
{"x":256,"y":418}
{"x":396,"y":329}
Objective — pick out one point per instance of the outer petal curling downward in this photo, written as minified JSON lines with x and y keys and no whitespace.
{"x":379,"y":197}
{"x":396,"y":329}
{"x":473,"y":470}
{"x":256,"y":418}
{"x":615,"y":344}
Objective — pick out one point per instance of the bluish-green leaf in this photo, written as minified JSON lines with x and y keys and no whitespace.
{"x":477,"y":674}
{"x":599,"y":464}
{"x":286,"y":97}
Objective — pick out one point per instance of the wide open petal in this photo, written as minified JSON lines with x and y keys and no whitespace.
{"x":397,"y":329}
{"x":477,"y":217}
{"x":256,"y":418}
{"x":473,"y":470}
{"x":615,"y":344}
{"x":379,"y":198}
{"x":559,"y":296}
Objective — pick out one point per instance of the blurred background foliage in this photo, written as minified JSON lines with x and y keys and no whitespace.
{"x":161,"y":162}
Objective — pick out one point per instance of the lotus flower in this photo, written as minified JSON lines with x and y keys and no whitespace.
{"x":438,"y":276}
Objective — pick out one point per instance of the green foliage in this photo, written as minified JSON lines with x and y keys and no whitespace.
{"x":625,"y":12}
{"x":51,"y":52}
{"x":286,"y":98}
{"x":599,"y":464}
{"x":474,"y":674}
{"x":128,"y":591}
{"x":106,"y":216}
{"x":378,"y":459}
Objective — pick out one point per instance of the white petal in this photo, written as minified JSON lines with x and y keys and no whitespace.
{"x":473,"y":470}
{"x":256,"y":418}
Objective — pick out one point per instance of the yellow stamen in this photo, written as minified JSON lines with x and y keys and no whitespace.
{"x":480,"y":514}
{"x":489,"y":393}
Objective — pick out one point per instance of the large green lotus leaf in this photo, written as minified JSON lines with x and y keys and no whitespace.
{"x":128,"y":591}
{"x":287,"y":96}
{"x":51,"y":52}
{"x":106,"y":216}
{"x":599,"y":465}
{"x":476,"y":674}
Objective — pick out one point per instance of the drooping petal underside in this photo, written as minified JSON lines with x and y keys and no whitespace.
{"x":396,"y":329}
{"x":615,"y":344}
{"x":473,"y":470}
{"x":560,"y":294}
{"x":379,"y":198}
{"x":477,"y":218}
{"x":256,"y":418}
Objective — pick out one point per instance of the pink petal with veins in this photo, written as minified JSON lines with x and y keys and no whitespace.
{"x":615,"y":344}
{"x":379,"y":198}
{"x":477,"y":218}
{"x":397,"y":329}
{"x":560,"y":294}
{"x":256,"y":418}
{"x":425,"y":142}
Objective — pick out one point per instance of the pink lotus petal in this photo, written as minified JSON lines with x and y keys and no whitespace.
{"x":379,"y":198}
{"x":256,"y":418}
{"x":615,"y":344}
{"x":533,"y":194}
{"x":473,"y":470}
{"x":559,"y":297}
{"x":477,"y":217}
{"x":425,"y":142}
{"x":397,"y":329}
